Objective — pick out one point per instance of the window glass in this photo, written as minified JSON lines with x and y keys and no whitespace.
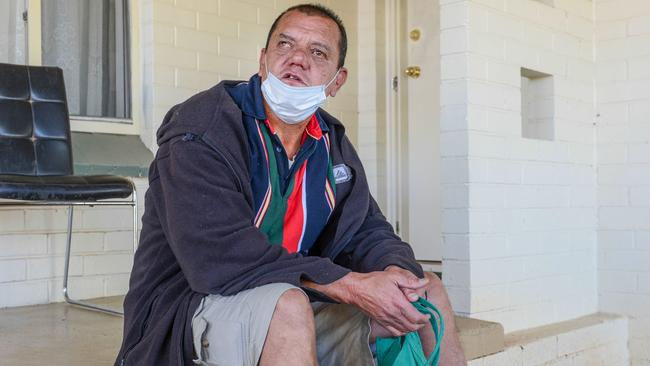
{"x":89,"y":40}
{"x":13,"y":35}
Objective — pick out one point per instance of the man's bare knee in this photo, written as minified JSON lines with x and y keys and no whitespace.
{"x":293,"y":315}
{"x":294,"y":303}
{"x":291,"y":339}
{"x":436,"y":290}
{"x":433,"y":278}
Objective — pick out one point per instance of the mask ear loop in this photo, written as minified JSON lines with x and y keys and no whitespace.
{"x":334,"y":78}
{"x":331,"y":81}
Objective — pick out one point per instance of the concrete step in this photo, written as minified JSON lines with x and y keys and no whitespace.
{"x":479,"y":337}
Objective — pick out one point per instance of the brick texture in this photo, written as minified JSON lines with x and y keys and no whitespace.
{"x":623,"y":42}
{"x":201,"y":43}
{"x":32,"y":243}
{"x":524,"y":204}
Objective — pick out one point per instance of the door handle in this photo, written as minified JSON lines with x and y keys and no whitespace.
{"x":413,"y":71}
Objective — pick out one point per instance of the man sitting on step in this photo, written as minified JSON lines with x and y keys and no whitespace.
{"x":261,"y":243}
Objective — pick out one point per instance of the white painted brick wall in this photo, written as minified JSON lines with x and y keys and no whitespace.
{"x":24,"y":293}
{"x":533,"y":201}
{"x":32,"y":247}
{"x":369,"y":95}
{"x":623,"y":83}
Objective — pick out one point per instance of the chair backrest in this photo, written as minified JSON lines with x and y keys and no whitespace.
{"x":34,"y":121}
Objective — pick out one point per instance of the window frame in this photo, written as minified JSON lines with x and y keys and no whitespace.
{"x":127,"y":126}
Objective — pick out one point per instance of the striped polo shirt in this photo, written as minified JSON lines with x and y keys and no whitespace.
{"x":292,"y":201}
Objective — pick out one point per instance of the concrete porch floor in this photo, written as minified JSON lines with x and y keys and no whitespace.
{"x":62,"y":334}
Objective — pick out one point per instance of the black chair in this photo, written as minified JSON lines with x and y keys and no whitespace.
{"x":36,"y":166}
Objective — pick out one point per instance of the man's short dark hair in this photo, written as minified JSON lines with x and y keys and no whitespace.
{"x":317,"y":10}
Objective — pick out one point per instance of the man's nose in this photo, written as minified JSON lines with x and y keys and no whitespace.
{"x":299,"y":57}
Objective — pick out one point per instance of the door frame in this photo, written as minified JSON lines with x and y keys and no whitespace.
{"x":396,"y":135}
{"x":396,"y":125}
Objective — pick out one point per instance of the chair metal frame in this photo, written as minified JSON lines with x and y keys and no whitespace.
{"x":36,"y":96}
{"x":113,"y":202}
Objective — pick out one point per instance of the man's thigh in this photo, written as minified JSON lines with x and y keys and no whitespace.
{"x":231,"y":330}
{"x":342,"y":335}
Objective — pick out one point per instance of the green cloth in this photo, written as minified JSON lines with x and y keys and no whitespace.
{"x":407,"y":350}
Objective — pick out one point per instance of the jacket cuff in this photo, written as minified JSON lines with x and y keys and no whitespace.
{"x":327,"y":274}
{"x":407,"y":264}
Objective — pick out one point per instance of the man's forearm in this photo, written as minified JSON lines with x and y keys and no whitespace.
{"x":340,"y":290}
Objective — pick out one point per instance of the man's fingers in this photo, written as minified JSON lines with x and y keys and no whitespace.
{"x":407,"y":279}
{"x":410,"y":294}
{"x":402,"y":326}
{"x":405,"y":317}
{"x":414,"y":316}
{"x":411,"y":282}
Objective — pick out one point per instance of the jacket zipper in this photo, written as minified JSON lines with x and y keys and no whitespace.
{"x":145,"y":323}
{"x":181,"y":360}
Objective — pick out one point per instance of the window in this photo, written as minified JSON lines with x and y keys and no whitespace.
{"x":13,"y":35}
{"x":537,"y":105}
{"x":91,"y":41}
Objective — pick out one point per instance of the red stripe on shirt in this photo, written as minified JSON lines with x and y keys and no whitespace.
{"x":294,"y":217}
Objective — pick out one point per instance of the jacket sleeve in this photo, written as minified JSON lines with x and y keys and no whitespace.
{"x":375,"y":246}
{"x":207,"y":222}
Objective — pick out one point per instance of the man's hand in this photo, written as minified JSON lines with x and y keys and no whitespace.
{"x":411,"y":294}
{"x":381,"y":296}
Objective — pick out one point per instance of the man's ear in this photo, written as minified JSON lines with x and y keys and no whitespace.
{"x":262,"y":70}
{"x":338,"y":82}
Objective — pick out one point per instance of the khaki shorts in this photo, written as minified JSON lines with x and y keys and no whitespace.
{"x":231,"y":330}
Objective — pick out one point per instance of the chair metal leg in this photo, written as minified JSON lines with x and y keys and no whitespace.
{"x":66,"y":296}
{"x":85,"y":304}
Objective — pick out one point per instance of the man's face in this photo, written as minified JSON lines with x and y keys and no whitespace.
{"x":304,"y":51}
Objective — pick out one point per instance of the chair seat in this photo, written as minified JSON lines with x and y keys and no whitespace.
{"x":64,"y":188}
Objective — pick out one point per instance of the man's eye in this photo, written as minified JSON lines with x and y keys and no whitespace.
{"x":318,"y":53}
{"x":284,"y":44}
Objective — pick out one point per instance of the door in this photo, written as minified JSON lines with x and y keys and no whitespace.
{"x":416,"y":132}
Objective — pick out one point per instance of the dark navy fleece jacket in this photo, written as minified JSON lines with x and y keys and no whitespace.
{"x":198,"y":235}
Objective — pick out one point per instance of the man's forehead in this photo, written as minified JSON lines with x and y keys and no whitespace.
{"x":292,"y":17}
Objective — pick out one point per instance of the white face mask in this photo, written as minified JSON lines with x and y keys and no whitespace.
{"x":293,"y":104}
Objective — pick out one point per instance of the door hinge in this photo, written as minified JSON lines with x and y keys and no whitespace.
{"x":25,"y":16}
{"x":395,"y":83}
{"x":397,"y":227}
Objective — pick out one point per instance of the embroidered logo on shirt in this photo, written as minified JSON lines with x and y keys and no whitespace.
{"x":342,"y":173}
